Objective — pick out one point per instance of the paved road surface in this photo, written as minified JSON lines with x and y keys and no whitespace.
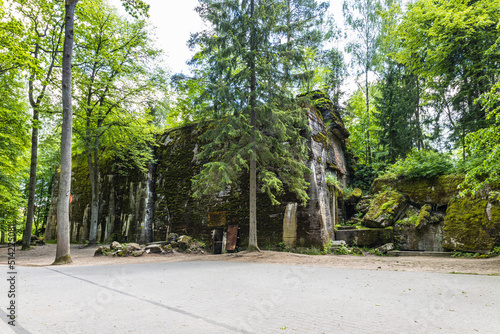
{"x":231,"y":297}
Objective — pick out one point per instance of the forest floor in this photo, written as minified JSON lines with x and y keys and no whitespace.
{"x":45,"y":255}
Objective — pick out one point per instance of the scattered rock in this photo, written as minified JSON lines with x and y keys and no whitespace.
{"x":385,"y":210}
{"x":115,"y":245}
{"x":385,"y":248}
{"x":153,"y":249}
{"x":336,"y":244}
{"x":131,"y":247}
{"x":364,"y":204}
{"x":100,"y":250}
{"x":158,"y":243}
{"x":354,"y":196}
{"x":172,"y":237}
{"x":168,"y":248}
{"x":184,"y":241}
{"x":138,"y":252}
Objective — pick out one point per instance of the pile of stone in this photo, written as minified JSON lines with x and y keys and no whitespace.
{"x":174,"y":243}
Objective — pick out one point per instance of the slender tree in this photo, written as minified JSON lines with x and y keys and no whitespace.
{"x":362,"y":17}
{"x":46,"y":27}
{"x":115,"y":69}
{"x":135,"y":7}
{"x":63,"y":199}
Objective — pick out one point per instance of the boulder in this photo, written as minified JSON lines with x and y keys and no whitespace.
{"x":168,"y":249}
{"x":419,"y":230}
{"x":153,"y":249}
{"x":184,"y":241}
{"x":159,"y":243}
{"x":131,"y":247}
{"x":364,"y":204}
{"x":138,"y":252}
{"x":115,"y":245}
{"x":385,"y":210}
{"x":439,"y":190}
{"x":172,"y":237}
{"x":354,"y":197}
{"x":385,"y":248}
{"x":336,"y":244}
{"x":101,"y":250}
{"x":472,"y":224}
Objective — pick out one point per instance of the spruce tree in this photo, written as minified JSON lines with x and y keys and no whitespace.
{"x":257,"y":127}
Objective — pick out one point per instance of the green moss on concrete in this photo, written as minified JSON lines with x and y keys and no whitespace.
{"x":385,"y":209}
{"x":320,"y":138}
{"x":424,"y":216}
{"x":356,"y":192}
{"x":439,"y":191}
{"x":467,"y":226}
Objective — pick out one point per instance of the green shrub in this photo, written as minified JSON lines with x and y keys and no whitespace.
{"x":363,"y":176}
{"x":422,"y":164}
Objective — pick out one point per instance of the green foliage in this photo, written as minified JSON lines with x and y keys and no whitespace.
{"x":454,"y":46}
{"x":14,"y":145}
{"x":280,"y":154}
{"x":468,"y":255}
{"x":484,"y":147}
{"x":331,"y":180}
{"x":357,"y":121}
{"x":342,"y":250}
{"x":420,"y":164}
{"x":15,"y":53}
{"x":282,"y":247}
{"x":363,"y":176}
{"x":136,"y":8}
{"x":397,"y":117}
{"x":120,"y":76}
{"x":233,"y":65}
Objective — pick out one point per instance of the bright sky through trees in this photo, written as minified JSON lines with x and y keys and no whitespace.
{"x":175,"y":20}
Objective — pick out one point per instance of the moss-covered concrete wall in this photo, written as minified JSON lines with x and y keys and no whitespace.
{"x":473,"y":224}
{"x":124,"y":193}
{"x":438,"y":191}
{"x":443,"y":219}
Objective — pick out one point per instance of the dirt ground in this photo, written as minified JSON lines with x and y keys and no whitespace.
{"x":45,"y":255}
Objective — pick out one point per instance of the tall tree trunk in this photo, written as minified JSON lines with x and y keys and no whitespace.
{"x":93,"y":165}
{"x":368,"y":148}
{"x":147,"y":233}
{"x":420,"y":144}
{"x":252,"y":240}
{"x":63,"y":238}
{"x":32,"y":186}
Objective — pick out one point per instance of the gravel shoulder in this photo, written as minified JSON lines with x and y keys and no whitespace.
{"x":44,"y":256}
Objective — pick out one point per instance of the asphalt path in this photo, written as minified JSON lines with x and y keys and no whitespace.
{"x":232,"y":297}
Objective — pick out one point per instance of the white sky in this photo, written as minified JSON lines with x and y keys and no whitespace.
{"x":176,"y":19}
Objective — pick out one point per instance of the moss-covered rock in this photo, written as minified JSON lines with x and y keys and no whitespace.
{"x":439,"y":191}
{"x":419,"y":230}
{"x":385,"y":209}
{"x":354,"y":197}
{"x":472,"y":224}
{"x":364,"y":204}
{"x":424,"y":216}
